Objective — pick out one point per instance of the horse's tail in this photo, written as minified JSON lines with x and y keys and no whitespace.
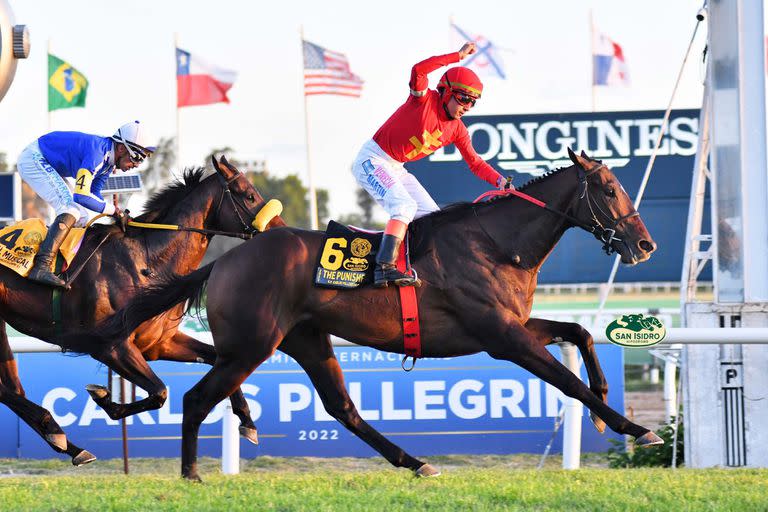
{"x":150,"y":302}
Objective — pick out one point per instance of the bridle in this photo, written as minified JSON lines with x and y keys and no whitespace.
{"x":248,"y":230}
{"x":237,"y":203}
{"x":604,"y":231}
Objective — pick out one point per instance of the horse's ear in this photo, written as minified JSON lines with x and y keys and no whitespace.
{"x":573,"y":156}
{"x":581,"y":161}
{"x":583,"y":154}
{"x":215,"y":163}
{"x":225,"y":162}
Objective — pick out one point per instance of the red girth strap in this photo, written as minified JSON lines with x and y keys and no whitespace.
{"x":410,"y":310}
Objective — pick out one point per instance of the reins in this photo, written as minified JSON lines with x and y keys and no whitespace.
{"x":598,"y":230}
{"x":271,"y":209}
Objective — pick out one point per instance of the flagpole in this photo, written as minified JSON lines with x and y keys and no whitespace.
{"x":178,"y":121}
{"x":47,"y":74}
{"x":311,"y":179}
{"x":592,"y":56}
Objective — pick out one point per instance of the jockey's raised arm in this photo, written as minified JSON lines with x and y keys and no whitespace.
{"x":428,"y":120}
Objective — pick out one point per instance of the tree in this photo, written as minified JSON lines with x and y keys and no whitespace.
{"x":289,"y":190}
{"x":366,"y":203}
{"x":158,"y":171}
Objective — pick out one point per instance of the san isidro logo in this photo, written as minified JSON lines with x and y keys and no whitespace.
{"x":636,"y":330}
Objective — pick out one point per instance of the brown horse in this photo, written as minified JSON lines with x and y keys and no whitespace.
{"x":479,"y":266}
{"x":225,"y":202}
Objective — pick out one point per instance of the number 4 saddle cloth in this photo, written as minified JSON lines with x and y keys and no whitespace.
{"x":348,"y":257}
{"x":20,"y":242}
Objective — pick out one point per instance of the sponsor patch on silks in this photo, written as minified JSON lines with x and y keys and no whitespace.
{"x":20,"y":242}
{"x":636,"y":331}
{"x":347,"y":258}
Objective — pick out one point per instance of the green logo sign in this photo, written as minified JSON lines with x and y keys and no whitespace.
{"x":635,"y":331}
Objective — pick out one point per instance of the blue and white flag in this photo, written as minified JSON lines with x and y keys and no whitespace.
{"x":487,"y":60}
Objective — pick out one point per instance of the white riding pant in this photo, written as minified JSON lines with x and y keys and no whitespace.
{"x":35,"y":170}
{"x":391,"y":185}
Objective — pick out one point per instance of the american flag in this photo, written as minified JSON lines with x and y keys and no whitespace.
{"x":327,"y":72}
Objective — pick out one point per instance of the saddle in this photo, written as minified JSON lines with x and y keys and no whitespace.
{"x":348,"y":257}
{"x":347,"y":261}
{"x":20,"y":242}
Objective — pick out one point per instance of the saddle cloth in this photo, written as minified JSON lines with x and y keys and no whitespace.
{"x":348,"y":257}
{"x":20,"y":242}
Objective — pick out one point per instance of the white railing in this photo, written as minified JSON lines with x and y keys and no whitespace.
{"x":573,"y":409}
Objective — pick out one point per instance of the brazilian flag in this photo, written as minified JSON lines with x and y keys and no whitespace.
{"x":66,"y":85}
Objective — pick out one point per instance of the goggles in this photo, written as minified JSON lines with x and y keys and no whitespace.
{"x":464,"y":99}
{"x":135,"y":156}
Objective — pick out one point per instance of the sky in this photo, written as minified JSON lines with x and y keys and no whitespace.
{"x":126,"y":50}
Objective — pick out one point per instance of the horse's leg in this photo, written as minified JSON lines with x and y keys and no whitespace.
{"x":39,"y":419}
{"x":227,"y":374}
{"x":522,"y":348}
{"x":125,"y":359}
{"x":314,"y":352}
{"x":9,"y":372}
{"x":186,"y":349}
{"x":547,"y":330}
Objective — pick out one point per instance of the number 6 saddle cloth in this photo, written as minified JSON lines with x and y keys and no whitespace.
{"x":348,"y":257}
{"x":20,"y":242}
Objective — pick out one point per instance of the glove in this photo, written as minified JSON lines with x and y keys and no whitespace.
{"x":122,"y":218}
{"x":505,"y":183}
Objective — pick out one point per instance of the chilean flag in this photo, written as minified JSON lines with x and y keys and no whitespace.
{"x":200,"y":83}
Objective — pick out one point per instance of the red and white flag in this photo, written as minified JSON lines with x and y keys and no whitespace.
{"x":200,"y":83}
{"x":327,"y":72}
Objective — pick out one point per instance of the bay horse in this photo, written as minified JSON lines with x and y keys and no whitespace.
{"x":478,"y":263}
{"x":224,"y":202}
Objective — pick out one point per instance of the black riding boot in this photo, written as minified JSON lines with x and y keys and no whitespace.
{"x":386,"y":271}
{"x":41,"y":271}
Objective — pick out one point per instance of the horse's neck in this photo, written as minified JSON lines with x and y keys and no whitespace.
{"x":181,"y":252}
{"x":531,"y":232}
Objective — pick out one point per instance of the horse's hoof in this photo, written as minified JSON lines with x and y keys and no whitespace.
{"x":250,"y":434}
{"x":649,"y":439}
{"x":83,"y":458}
{"x":427,"y":470}
{"x":193,"y":477}
{"x":597,"y":422}
{"x":57,"y":440}
{"x":97,"y":392}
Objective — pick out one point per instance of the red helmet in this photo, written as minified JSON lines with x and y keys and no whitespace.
{"x":460,"y":79}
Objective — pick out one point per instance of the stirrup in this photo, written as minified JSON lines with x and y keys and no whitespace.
{"x":394,"y":276}
{"x":47,"y":278}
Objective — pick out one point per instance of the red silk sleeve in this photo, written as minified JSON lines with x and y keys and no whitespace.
{"x":477,"y":165}
{"x":419,"y":81}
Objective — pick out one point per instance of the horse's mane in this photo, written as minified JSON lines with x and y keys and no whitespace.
{"x":160,"y":202}
{"x":158,"y":205}
{"x":422,"y":226}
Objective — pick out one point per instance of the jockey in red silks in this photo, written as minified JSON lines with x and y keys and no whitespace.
{"x":428,"y":120}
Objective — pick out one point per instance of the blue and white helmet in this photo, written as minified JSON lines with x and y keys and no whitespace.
{"x":135,"y":138}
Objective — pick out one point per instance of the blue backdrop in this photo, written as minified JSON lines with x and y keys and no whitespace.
{"x":524,"y":146}
{"x":472,"y":404}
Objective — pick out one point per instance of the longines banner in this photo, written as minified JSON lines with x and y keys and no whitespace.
{"x":527,"y":146}
{"x":471,"y":404}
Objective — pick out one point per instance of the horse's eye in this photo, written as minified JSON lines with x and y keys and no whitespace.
{"x":610,"y":192}
{"x":250,"y":198}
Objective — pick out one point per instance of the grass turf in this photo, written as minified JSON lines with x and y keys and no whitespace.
{"x":321,"y":487}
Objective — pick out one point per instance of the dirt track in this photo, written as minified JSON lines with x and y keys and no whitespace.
{"x":645,"y":408}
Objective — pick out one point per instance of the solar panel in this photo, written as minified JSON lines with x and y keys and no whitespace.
{"x":122,"y":182}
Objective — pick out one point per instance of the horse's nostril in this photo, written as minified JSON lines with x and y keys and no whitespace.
{"x":647,"y":246}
